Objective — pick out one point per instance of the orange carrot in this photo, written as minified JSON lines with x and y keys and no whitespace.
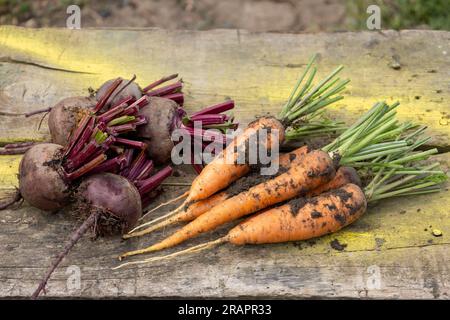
{"x":299,"y":219}
{"x":302,"y":219}
{"x":314,"y":169}
{"x":190,"y":212}
{"x":305,"y":99}
{"x":343,"y":176}
{"x":222,"y":171}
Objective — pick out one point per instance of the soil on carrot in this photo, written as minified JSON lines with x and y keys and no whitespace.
{"x":298,"y":203}
{"x":252,"y":179}
{"x":327,"y":172}
{"x":344,"y":196}
{"x":340,"y":218}
{"x":316,"y":214}
{"x":245,"y":183}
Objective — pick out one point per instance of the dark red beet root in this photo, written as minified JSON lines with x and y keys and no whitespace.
{"x":162,"y":116}
{"x":113,"y":205}
{"x":124,"y":90}
{"x":65,"y":116}
{"x":116,"y":197}
{"x":40,"y":181}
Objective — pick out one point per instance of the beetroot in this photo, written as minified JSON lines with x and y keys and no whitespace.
{"x":65,"y":116}
{"x":116,"y":200}
{"x":112,"y":205}
{"x":164,"y":116}
{"x":40,"y":180}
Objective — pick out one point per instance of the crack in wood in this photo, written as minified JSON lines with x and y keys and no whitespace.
{"x":34,"y":64}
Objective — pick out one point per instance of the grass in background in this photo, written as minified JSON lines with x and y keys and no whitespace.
{"x":402,"y":14}
{"x":395,"y":14}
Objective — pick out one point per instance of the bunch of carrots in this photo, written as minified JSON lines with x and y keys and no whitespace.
{"x":315,"y":192}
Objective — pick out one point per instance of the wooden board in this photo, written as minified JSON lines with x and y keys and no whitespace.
{"x":388,"y":253}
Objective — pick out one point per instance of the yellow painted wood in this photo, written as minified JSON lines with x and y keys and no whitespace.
{"x":40,"y":66}
{"x":257,"y":70}
{"x":9,"y":168}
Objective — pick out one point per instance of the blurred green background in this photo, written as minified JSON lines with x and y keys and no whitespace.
{"x":253,"y":15}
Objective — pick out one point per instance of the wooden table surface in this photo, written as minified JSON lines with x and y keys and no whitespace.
{"x":390,"y":252}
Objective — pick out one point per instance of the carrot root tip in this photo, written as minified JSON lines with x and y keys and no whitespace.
{"x":184,"y":195}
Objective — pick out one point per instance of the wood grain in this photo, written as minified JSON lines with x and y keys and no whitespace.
{"x":40,"y":66}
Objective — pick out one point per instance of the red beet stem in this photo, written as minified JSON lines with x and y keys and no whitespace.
{"x":116,"y":149}
{"x":112,"y":113}
{"x":208,"y":119}
{"x":143,"y":101}
{"x":32,"y":113}
{"x":17,"y":196}
{"x":123,"y":88}
{"x":158,"y":82}
{"x":140,"y":120}
{"x":172,"y":88}
{"x":177,"y":97}
{"x":145,"y":170}
{"x":111,"y":165}
{"x":136,"y":165}
{"x":222,"y":126}
{"x":79,"y":158}
{"x":103,"y":148}
{"x":20,"y":144}
{"x":102,"y":102}
{"x":127,"y":100}
{"x":78,"y":132}
{"x":128,"y":155}
{"x":86,"y":168}
{"x":11,"y":151}
{"x":215,"y":109}
{"x":133,"y":108}
{"x":84,"y":138}
{"x":88,"y":223}
{"x":154,"y":181}
{"x":131,"y":143}
{"x":206,"y":134}
{"x":116,"y":130}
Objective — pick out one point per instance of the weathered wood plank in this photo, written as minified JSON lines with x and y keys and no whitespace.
{"x":257,"y":70}
{"x":394,"y":238}
{"x":41,"y":66}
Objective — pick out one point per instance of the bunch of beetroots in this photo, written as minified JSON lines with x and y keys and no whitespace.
{"x":107,"y":178}
{"x":163,"y":113}
{"x":105,"y":166}
{"x":66,"y":114}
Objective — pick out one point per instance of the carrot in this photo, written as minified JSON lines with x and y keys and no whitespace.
{"x":304,"y":218}
{"x":304,"y":100}
{"x":358,"y":143}
{"x":299,"y":219}
{"x":222,"y":171}
{"x":343,"y":176}
{"x":314,"y":169}
{"x":190,"y":212}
